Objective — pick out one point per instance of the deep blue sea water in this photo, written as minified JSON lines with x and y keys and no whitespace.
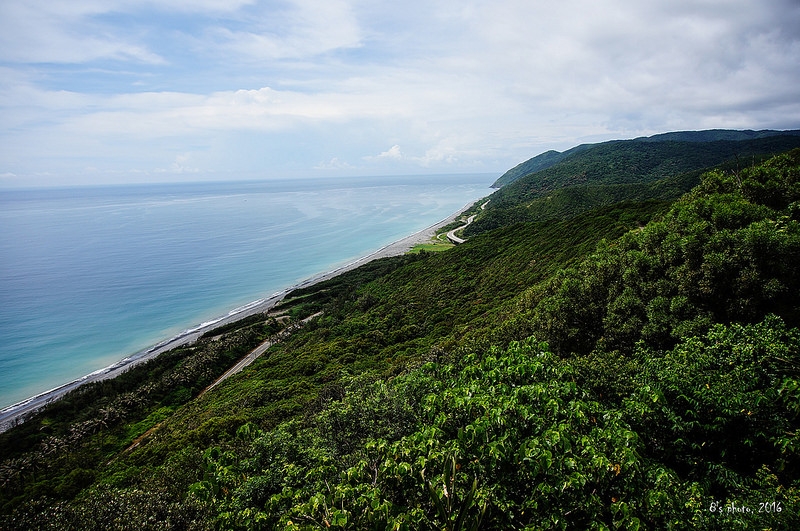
{"x":90,"y":275}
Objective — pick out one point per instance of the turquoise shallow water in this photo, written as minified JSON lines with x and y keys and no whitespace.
{"x":91,"y":275}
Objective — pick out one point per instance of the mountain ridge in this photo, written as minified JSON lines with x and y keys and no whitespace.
{"x":549,"y":158}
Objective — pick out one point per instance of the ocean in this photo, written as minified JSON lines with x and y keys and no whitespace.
{"x":91,"y":275}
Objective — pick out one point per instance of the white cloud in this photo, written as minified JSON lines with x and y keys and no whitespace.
{"x":457,"y":84}
{"x":307,"y":28}
{"x":192,"y":6}
{"x":179,"y":165}
{"x":33,"y":31}
{"x":391,"y":153}
{"x":334,"y":164}
{"x":166,"y":114}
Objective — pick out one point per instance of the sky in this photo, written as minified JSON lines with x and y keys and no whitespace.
{"x":128,"y":91}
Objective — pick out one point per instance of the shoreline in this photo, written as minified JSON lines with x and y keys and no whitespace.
{"x":15,"y":414}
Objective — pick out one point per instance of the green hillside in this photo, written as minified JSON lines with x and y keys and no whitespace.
{"x":550,"y":158}
{"x":634,"y":365}
{"x":537,"y":163}
{"x":595,"y":175}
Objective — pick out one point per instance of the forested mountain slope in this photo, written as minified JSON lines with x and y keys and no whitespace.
{"x":662,"y":167}
{"x":550,"y":158}
{"x":633,"y":366}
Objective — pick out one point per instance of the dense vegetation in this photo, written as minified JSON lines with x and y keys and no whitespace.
{"x":662,"y":167}
{"x":632,"y":366}
{"x":685,"y":138}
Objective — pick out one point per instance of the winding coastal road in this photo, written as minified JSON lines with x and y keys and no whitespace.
{"x":452,"y":234}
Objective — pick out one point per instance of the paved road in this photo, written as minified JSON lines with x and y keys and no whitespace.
{"x":258,"y":351}
{"x":241,"y":364}
{"x":452,"y":234}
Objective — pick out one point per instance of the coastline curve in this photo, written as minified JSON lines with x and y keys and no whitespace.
{"x":17,"y":413}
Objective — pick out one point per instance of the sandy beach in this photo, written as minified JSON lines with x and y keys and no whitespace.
{"x":16,"y":413}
